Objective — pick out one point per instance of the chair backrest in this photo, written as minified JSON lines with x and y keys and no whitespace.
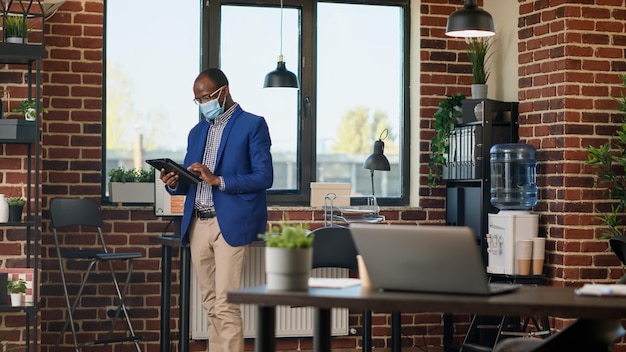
{"x":584,"y":335}
{"x":618,"y":245}
{"x":333,"y":247}
{"x":69,"y":212}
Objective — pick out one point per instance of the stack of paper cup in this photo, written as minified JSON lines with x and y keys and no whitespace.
{"x":524,"y":255}
{"x":539,"y":245}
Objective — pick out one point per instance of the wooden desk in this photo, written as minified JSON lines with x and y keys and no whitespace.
{"x":527,"y":300}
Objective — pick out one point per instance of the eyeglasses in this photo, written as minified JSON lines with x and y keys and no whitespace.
{"x":207,"y":98}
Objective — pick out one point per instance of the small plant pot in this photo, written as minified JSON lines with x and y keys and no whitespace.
{"x":16,"y":40}
{"x":479,"y":91}
{"x":17,"y":299}
{"x":288,"y":269}
{"x":15,"y":213}
{"x":30,"y":115}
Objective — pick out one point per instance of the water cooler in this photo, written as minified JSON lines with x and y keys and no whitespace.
{"x":514,"y":193}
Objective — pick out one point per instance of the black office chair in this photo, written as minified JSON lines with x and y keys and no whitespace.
{"x":333,"y":247}
{"x":589,"y":335}
{"x":65,"y":213}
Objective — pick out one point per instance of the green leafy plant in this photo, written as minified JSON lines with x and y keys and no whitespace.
{"x":609,"y":160}
{"x":445,"y":119}
{"x":16,"y":26}
{"x":288,"y":236}
{"x":28,"y":105}
{"x":122,"y":174}
{"x":16,"y":286}
{"x":16,"y":201}
{"x":478,"y":53}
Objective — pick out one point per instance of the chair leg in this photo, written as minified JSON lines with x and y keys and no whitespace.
{"x":71,"y":307}
{"x":121,"y":307}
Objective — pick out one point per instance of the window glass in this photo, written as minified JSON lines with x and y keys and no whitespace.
{"x":149,"y":78}
{"x":359,"y":94}
{"x":357,"y":66}
{"x":250,"y":46}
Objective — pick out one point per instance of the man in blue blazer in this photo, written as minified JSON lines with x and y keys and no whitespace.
{"x":229,"y":150}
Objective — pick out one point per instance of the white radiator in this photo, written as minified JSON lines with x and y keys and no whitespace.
{"x":290,"y":322}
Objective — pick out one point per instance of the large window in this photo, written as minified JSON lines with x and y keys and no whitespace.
{"x":351,"y":61}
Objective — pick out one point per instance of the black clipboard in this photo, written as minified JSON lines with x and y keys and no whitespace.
{"x":170,"y":165}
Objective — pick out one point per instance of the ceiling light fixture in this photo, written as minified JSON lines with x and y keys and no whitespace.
{"x":281,"y":77}
{"x":470,"y":21}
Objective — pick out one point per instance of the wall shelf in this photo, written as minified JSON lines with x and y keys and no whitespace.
{"x":18,"y":131}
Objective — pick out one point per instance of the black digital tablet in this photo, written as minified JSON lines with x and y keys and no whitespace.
{"x":170,"y":165}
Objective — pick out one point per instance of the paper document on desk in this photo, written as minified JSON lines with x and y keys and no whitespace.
{"x":602,"y":290}
{"x":333,"y":282}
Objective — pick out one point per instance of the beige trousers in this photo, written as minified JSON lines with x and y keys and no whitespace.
{"x":218,"y":267}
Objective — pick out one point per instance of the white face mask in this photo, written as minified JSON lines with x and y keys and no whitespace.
{"x":212,"y":109}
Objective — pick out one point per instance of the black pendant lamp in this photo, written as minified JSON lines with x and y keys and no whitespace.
{"x":470,"y":21}
{"x":281,"y":77}
{"x":377,"y":160}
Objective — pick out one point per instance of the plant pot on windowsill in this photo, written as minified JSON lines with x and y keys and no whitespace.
{"x":131,"y":185}
{"x":131,"y":192}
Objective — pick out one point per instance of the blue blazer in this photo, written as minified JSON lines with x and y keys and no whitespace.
{"x":245,"y":163}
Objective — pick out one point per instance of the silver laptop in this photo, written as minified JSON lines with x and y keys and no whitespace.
{"x":441,"y":259}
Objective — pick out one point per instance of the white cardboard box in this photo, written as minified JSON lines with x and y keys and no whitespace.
{"x":319,"y":190}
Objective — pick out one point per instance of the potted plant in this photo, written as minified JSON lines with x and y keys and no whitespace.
{"x":131,"y":185}
{"x":17,"y":290}
{"x":478,"y":53}
{"x":28,"y":108}
{"x":288,"y":257}
{"x":448,"y":114}
{"x":16,"y":206}
{"x":610,"y":162}
{"x":16,"y":29}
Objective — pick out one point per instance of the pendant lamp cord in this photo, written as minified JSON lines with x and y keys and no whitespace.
{"x":281,"y":29}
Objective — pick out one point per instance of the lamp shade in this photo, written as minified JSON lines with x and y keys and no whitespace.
{"x":470,"y":21}
{"x":377,"y":160}
{"x":281,"y":77}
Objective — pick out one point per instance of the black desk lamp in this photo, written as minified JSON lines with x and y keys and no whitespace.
{"x":377,"y":160}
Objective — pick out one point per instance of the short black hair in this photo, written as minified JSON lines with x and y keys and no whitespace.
{"x":216,"y":75}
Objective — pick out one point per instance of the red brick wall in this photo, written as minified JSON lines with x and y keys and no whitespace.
{"x":570,"y":56}
{"x":568,"y":66}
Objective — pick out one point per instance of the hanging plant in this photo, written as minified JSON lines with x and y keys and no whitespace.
{"x":445,"y":119}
